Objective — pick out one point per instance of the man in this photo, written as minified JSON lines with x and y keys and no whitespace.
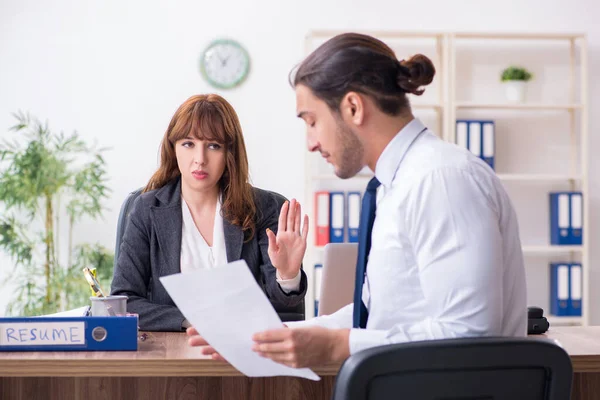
{"x":439,"y":249}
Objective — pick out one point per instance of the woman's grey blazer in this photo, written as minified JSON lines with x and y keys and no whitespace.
{"x":151,"y":248}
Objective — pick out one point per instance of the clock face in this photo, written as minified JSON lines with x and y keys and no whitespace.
{"x":225,"y":64}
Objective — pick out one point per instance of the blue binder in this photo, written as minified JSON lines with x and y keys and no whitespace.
{"x":575,"y":289}
{"x":559,"y":289}
{"x":69,"y":333}
{"x":566,"y":218}
{"x":488,"y":142}
{"x":336,"y":217}
{"x":477,"y":136}
{"x":353,"y":216}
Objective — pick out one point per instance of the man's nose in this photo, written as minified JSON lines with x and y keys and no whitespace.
{"x":311,"y":143}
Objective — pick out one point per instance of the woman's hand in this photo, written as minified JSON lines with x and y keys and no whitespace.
{"x":287,"y":248}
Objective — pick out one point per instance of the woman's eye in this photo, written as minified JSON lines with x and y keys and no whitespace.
{"x":214,"y":146}
{"x":188,"y":144}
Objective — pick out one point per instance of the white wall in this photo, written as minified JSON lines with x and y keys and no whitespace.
{"x":116,"y":71}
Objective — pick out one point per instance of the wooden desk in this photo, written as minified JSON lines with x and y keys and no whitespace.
{"x":583,"y":345}
{"x":164,"y":367}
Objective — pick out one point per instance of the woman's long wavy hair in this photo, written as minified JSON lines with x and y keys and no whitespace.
{"x":210,"y":117}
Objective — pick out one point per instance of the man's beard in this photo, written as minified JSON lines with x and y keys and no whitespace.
{"x":351,"y":154}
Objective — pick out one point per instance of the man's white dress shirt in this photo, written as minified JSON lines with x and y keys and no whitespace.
{"x":446,"y":258}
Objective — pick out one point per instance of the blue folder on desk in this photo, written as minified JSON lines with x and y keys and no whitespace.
{"x":69,"y":333}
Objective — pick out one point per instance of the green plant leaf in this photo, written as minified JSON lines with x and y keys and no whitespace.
{"x":37,"y":168}
{"x":515,"y":73}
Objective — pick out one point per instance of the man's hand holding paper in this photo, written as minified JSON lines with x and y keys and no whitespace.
{"x":226,"y":307}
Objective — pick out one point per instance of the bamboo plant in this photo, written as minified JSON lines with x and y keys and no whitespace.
{"x":45,"y":177}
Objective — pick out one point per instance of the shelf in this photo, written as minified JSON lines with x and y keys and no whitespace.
{"x":518,"y":36}
{"x":518,"y":106}
{"x":552,"y":249}
{"x":561,"y":321}
{"x":382,"y":34}
{"x":504,"y":177}
{"x":458,"y":35}
{"x":538,"y":177}
{"x":529,"y":249}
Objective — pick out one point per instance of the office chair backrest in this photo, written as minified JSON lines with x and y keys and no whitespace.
{"x":337,"y":280}
{"x":123,"y":219}
{"x":474,"y":368}
{"x":296,"y":313}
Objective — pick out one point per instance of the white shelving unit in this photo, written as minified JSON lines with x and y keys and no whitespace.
{"x":567,"y":105}
{"x":552,"y":249}
{"x":539,"y":177}
{"x":447,"y":99}
{"x":523,"y":107}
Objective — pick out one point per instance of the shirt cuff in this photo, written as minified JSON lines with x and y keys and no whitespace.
{"x":361,"y":339}
{"x":289,"y":285}
{"x":298,"y":324}
{"x":341,"y":319}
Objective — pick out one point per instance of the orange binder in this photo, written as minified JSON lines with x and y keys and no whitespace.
{"x":322,"y":218}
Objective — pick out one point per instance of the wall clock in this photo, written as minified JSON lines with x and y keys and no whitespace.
{"x":225,"y":63}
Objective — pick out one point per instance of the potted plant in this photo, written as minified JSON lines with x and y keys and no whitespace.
{"x":515,"y":80}
{"x":48,"y":183}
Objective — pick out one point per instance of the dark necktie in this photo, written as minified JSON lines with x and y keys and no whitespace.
{"x":367,"y":217}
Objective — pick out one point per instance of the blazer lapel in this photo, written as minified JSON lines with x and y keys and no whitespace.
{"x":168,"y":224}
{"x":234,"y":240}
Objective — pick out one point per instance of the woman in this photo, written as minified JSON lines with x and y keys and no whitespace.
{"x":199,"y":211}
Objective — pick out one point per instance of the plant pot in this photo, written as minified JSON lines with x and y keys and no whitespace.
{"x":515,"y":91}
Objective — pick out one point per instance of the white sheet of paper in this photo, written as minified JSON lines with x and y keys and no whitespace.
{"x":226,"y":306}
{"x":76,"y":312}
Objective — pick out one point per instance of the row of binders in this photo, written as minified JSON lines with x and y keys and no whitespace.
{"x":566,"y":208}
{"x":337,"y":216}
{"x":477,"y":136}
{"x":565,"y":289}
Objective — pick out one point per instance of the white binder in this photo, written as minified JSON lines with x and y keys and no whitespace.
{"x":461,"y":134}
{"x":475,"y":138}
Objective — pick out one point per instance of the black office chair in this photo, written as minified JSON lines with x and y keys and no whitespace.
{"x":123,"y":219}
{"x":458,"y":369}
{"x":295,"y":313}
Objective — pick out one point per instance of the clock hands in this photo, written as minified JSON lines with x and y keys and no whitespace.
{"x":223,"y":60}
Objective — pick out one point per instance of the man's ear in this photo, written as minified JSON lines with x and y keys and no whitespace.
{"x":352,"y":108}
